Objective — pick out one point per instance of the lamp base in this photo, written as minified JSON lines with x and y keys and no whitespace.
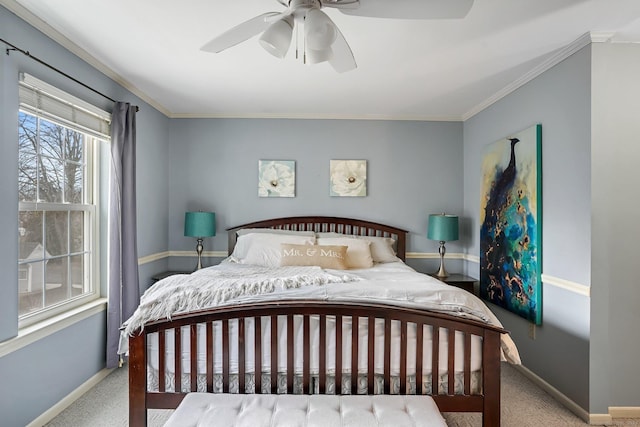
{"x":199,"y":248}
{"x":442,"y":272}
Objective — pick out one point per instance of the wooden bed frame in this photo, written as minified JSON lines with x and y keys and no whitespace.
{"x":486,"y":401}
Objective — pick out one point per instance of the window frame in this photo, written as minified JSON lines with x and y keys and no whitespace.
{"x":90,"y":205}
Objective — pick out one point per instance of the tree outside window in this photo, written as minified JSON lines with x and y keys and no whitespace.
{"x":55,"y":209}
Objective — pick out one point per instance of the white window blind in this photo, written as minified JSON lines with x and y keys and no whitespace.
{"x":47,"y":101}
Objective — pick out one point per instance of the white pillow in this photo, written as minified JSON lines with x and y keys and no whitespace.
{"x":358,"y":250}
{"x":243,"y":243}
{"x":264,"y":248}
{"x":382,"y":248}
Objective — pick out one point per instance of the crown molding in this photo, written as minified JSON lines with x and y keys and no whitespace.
{"x":315,"y":116}
{"x":551,"y":61}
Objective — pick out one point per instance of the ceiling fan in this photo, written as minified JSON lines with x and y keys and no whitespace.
{"x":318,"y":39}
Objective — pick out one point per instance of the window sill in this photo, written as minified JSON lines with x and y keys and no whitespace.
{"x":33,"y":333}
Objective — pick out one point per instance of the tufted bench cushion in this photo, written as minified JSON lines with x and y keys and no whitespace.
{"x":298,"y":410}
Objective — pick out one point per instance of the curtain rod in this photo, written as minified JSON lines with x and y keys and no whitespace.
{"x":28,"y":54}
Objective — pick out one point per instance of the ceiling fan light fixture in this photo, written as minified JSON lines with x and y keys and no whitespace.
{"x":277,"y":38}
{"x":315,"y":56}
{"x":319,"y":30}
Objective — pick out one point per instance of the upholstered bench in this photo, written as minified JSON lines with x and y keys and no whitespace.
{"x":296,"y":410}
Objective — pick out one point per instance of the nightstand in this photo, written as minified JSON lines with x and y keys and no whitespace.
{"x":164,"y":274}
{"x":458,"y":280}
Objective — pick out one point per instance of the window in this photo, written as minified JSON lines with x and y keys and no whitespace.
{"x":57,"y":182}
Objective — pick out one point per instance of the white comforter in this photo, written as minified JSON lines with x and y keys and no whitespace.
{"x":231,"y":283}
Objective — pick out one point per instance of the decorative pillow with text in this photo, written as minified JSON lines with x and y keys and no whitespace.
{"x":358,"y":251}
{"x":324,"y":256}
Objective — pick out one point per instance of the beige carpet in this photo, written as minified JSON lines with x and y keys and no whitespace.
{"x":523,"y":405}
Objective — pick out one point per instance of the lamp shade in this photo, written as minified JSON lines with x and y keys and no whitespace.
{"x":443,"y":227}
{"x":200,"y":224}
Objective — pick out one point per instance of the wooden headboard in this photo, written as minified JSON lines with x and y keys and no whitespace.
{"x":320,"y":224}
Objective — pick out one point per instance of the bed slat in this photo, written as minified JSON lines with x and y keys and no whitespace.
{"x":241,"y":356}
{"x":274,"y":354}
{"x":451,"y":340}
{"x":177,"y":368}
{"x":354,"y":354}
{"x":306,"y":352}
{"x":403,"y":357}
{"x":322,"y":357}
{"x":387,"y":357}
{"x":467,"y":363}
{"x":338,"y":387}
{"x":193,"y":348}
{"x":210,"y":349}
{"x":258,"y":354}
{"x":290,"y":341}
{"x":371,"y":322}
{"x":161,"y":359}
{"x":225,"y":356}
{"x":419,"y":356}
{"x":435,"y":360}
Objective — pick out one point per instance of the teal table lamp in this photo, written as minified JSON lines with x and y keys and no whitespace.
{"x":444,"y":228}
{"x":199,"y":225}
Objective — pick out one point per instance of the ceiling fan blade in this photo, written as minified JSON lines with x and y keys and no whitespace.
{"x":411,"y":9}
{"x":343,"y":59}
{"x":240,"y":33}
{"x":341,"y":4}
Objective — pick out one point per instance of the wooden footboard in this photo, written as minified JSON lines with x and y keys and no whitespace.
{"x":450,"y":397}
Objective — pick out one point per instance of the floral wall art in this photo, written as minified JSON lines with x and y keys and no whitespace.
{"x":348,"y":178}
{"x":276,"y":178}
{"x":510,"y":224}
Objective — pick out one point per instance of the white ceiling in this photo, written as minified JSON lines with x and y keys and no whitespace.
{"x":437,"y":69}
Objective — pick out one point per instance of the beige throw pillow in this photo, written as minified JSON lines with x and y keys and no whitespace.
{"x":358,"y":251}
{"x":325,"y":256}
{"x":382,"y":248}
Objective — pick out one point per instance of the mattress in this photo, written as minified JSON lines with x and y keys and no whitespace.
{"x":393,"y":283}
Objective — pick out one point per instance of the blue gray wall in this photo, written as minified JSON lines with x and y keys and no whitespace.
{"x":588,"y":345}
{"x":44,"y":372}
{"x":414,"y":169}
{"x":559,"y":99}
{"x":615,"y":209}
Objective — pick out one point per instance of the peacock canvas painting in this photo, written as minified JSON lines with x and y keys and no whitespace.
{"x":511,"y":224}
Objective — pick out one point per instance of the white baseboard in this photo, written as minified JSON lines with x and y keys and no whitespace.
{"x":593,"y":419}
{"x":600,"y":419}
{"x":557,"y":394}
{"x":624,"y":411}
{"x":63,"y":404}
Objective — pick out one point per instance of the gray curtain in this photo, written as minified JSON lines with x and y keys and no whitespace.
{"x":124,"y":292}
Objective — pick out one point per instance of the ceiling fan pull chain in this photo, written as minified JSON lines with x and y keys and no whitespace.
{"x":304,"y":41}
